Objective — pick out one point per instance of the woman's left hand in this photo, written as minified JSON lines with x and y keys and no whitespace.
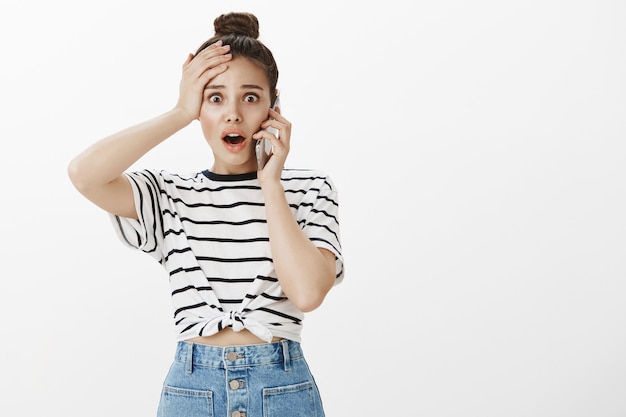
{"x":280,"y":146}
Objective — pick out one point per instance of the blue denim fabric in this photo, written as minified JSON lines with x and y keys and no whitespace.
{"x":265,"y":380}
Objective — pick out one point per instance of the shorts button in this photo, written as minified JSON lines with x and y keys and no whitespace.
{"x":238,"y":414}
{"x":234,"y":384}
{"x":232,"y":356}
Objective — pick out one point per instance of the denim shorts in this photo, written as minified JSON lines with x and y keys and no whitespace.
{"x":265,"y":380}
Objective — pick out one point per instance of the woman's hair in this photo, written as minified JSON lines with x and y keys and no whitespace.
{"x":241,"y":32}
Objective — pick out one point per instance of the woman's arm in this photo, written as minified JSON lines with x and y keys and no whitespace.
{"x":98,"y":171}
{"x":306,"y":273}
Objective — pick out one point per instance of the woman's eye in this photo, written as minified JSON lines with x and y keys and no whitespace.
{"x":251,"y":98}
{"x":214,"y":98}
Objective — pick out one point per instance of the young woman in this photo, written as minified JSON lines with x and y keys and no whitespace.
{"x":248,"y":251}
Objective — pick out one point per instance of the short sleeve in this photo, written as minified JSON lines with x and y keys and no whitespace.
{"x":146,"y":232}
{"x":321,"y":223}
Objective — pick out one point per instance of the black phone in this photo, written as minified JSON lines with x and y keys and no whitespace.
{"x":263,"y":146}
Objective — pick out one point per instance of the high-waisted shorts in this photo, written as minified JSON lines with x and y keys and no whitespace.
{"x":265,"y":380}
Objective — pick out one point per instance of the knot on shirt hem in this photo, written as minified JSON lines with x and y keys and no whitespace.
{"x":235,"y":320}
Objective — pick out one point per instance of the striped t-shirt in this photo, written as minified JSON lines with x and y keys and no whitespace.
{"x":209,"y":232}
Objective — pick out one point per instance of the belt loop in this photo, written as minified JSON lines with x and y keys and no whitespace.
{"x":189,"y":361}
{"x":286,"y":358}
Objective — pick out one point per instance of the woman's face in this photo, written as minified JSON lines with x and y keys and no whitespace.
{"x":234,"y":105}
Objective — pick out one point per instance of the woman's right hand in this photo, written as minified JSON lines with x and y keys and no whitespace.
{"x":198,"y":70}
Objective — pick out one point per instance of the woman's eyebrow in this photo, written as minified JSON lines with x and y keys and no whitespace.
{"x":251,"y":87}
{"x":243,"y":87}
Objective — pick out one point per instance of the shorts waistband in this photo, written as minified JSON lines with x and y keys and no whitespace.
{"x":282,"y":351}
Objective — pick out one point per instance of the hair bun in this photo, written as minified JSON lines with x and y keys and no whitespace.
{"x":237,"y":23}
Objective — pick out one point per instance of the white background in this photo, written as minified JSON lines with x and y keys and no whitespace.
{"x":478,"y":147}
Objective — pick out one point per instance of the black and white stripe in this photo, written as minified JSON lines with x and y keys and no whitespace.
{"x":209,"y":232}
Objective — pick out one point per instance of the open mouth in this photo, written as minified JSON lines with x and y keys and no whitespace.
{"x":234,"y":139}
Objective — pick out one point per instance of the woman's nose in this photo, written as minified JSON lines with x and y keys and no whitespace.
{"x":233,"y":114}
{"x":233,"y":118}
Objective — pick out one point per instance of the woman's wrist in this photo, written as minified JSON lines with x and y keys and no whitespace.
{"x":272,"y":189}
{"x":183,"y":115}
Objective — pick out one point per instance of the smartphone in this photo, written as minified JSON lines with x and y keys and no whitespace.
{"x":263,"y":146}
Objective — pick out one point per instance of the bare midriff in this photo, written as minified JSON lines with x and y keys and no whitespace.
{"x":228,"y":337}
